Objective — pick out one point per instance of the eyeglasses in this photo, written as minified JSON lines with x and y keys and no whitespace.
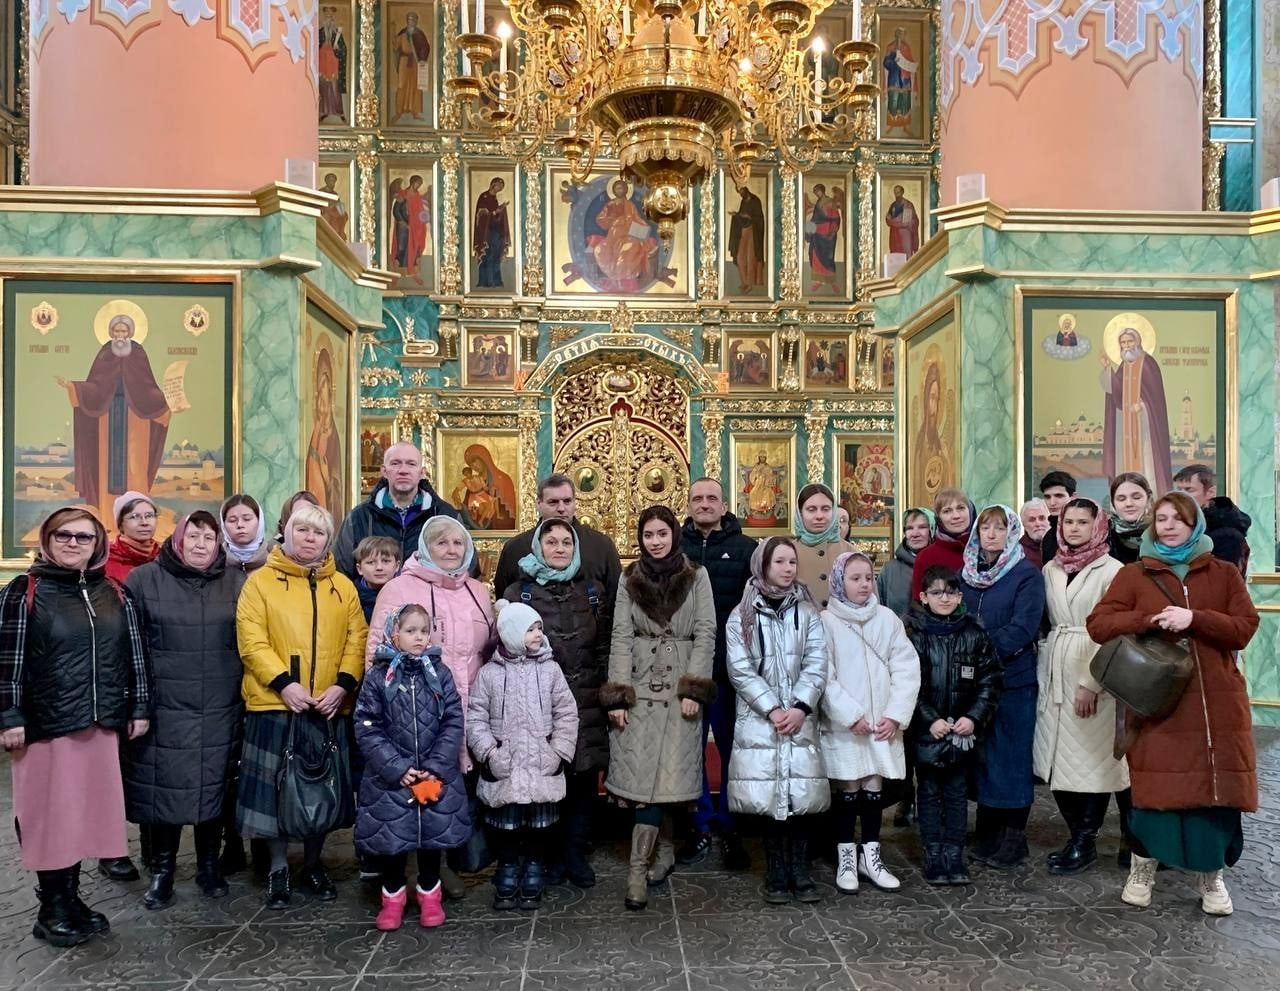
{"x":943,"y":593}
{"x":68,"y":536}
{"x":141,"y":517}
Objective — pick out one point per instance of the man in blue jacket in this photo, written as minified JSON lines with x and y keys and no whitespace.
{"x":712,"y":537}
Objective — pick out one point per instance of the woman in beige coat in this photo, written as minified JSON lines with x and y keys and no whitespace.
{"x":1075,"y":722}
{"x":664,"y":633}
{"x":817,"y":541}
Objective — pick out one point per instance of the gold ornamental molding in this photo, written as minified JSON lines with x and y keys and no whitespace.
{"x":279,"y":197}
{"x":339,"y":252}
{"x":670,"y":353}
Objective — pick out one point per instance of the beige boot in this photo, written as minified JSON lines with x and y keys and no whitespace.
{"x":643,"y":840}
{"x":664,"y":861}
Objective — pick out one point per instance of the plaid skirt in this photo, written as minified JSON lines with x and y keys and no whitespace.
{"x":264,"y":740}
{"x":531,"y":815}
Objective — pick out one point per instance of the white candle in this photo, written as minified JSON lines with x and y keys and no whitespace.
{"x":819,"y":46}
{"x":626,"y":19}
{"x":502,"y":56}
{"x":479,"y":16}
{"x":857,"y":20}
{"x":702,"y":19}
{"x":462,"y":29}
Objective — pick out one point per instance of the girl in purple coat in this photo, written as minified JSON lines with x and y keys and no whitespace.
{"x":409,"y":728}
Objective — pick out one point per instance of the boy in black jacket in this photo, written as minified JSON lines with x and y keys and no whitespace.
{"x":959,"y":686}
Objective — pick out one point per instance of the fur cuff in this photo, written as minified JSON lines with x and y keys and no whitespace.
{"x":702,"y":690}
{"x":616,"y":696}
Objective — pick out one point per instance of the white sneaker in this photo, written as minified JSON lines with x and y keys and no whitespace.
{"x":1214,"y":897}
{"x":1142,"y":878}
{"x":873,"y":869}
{"x":847,"y":868}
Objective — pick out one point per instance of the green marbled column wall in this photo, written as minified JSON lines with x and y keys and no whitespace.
{"x":35,"y":242}
{"x":989,"y":264}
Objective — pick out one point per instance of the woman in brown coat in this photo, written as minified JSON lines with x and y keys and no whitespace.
{"x":1194,"y":771}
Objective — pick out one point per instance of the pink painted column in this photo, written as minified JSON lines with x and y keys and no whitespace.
{"x":1084,"y":107}
{"x":171,"y":94}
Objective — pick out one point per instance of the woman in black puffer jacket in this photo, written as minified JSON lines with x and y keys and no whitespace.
{"x":73,"y":679}
{"x":178,"y":773}
{"x":576,"y":622}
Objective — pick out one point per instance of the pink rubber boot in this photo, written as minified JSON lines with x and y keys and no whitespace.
{"x":392,"y":913}
{"x":432,"y":909}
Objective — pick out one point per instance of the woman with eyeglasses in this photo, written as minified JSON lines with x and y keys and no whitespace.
{"x":73,"y":678}
{"x":135,"y":543}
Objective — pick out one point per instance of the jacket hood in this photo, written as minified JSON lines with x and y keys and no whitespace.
{"x":286,"y":565}
{"x":730,"y":526}
{"x":905,"y":554}
{"x":1222,"y":512}
{"x":920,"y":620}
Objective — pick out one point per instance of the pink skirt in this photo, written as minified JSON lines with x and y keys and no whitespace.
{"x":68,"y":800}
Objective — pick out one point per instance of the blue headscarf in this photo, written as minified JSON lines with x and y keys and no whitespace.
{"x":535,"y":565}
{"x":401,"y":663}
{"x":1178,"y":558}
{"x":830,"y":535}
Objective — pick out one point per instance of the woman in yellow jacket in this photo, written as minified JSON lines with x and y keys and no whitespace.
{"x":301,"y":633}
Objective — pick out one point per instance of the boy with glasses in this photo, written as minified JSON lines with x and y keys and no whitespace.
{"x":959,"y":687}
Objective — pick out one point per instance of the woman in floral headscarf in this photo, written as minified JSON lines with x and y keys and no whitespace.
{"x":873,"y":676}
{"x":1075,"y":721}
{"x":1005,"y":592}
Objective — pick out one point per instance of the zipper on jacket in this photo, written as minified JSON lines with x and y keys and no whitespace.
{"x":1204,"y":707}
{"x":93,"y":642}
{"x":315,"y":618}
{"x":417,"y":757}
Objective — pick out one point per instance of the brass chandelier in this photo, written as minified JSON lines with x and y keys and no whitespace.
{"x":665,"y":85}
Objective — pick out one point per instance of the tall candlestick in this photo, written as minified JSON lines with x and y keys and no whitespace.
{"x":857,"y":20}
{"x":479,"y":16}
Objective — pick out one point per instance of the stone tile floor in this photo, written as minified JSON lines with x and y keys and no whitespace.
{"x":705,"y":929}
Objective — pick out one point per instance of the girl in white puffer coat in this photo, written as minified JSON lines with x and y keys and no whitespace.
{"x":873,"y":677}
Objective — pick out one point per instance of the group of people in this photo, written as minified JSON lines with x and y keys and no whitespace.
{"x":170,"y":683}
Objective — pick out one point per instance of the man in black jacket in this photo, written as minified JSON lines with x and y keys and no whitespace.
{"x":1226,"y":523}
{"x":398,"y":508}
{"x":712,"y":537}
{"x":558,"y":500}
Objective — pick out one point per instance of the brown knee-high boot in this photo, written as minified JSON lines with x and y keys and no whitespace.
{"x":643,"y":841}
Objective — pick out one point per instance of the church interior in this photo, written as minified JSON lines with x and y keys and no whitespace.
{"x":888,"y":247}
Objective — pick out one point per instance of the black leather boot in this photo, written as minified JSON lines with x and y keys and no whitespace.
{"x":86,"y":917}
{"x":208,"y":865}
{"x":953,"y":864}
{"x":776,"y":889}
{"x":798,"y":870}
{"x":56,"y":921}
{"x":1069,"y":807}
{"x":164,"y":866}
{"x":118,"y":869}
{"x":1081,"y":852}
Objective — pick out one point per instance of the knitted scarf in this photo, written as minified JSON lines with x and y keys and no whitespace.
{"x":828,"y":536}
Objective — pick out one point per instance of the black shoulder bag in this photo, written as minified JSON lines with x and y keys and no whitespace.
{"x":313,"y":790}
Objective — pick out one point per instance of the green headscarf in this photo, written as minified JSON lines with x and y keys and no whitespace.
{"x":828,"y":536}
{"x":535,"y":565}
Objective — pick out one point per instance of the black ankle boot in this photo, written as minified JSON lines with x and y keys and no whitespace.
{"x":776,"y":890}
{"x":798,"y":870}
{"x":1012,"y":850}
{"x":164,"y":866}
{"x":987,"y":834}
{"x":208,"y":865}
{"x":85,"y":917}
{"x":1081,"y":852}
{"x":56,"y":921}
